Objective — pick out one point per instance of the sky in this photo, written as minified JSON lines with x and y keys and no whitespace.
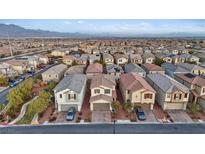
{"x":112,"y":26}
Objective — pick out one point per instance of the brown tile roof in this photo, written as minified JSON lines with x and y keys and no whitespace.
{"x":95,"y":68}
{"x":134,"y":82}
{"x":152,"y":67}
{"x":69,"y":57}
{"x":101,"y":97}
{"x":102,"y":80}
{"x":197,"y":80}
{"x":118,"y":55}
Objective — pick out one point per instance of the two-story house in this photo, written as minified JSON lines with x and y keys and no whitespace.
{"x":70,"y":92}
{"x":54,"y":73}
{"x":196,"y":84}
{"x":195,"y":69}
{"x":171,"y":94}
{"x":108,"y":58}
{"x":120,"y":59}
{"x":102,"y":93}
{"x":136,"y":90}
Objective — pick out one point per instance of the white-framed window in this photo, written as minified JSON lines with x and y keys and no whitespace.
{"x":96,"y":91}
{"x":107,"y":91}
{"x":71,"y":96}
{"x":60,"y":95}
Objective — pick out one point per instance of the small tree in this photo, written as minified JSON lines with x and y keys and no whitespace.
{"x":159,"y":61}
{"x":4,"y":81}
{"x":115,"y":105}
{"x":74,"y":63}
{"x":195,"y":108}
{"x":51,"y":85}
{"x":128,"y":106}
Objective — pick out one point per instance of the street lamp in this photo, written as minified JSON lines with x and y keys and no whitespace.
{"x":114,"y":111}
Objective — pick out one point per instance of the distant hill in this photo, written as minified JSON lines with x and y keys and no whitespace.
{"x":17,"y":31}
{"x":20,"y":32}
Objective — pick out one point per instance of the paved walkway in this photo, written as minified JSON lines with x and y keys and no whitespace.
{"x":179,"y":116}
{"x":23,"y":111}
{"x":101,"y":116}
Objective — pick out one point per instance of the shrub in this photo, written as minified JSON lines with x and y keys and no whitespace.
{"x":115,"y":105}
{"x":128,"y":106}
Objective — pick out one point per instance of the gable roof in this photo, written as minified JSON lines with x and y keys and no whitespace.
{"x":152,"y":67}
{"x":173,"y":68}
{"x":56,"y":69}
{"x":134,"y":82}
{"x":166,"y":83}
{"x":133,"y":68}
{"x":190,"y":67}
{"x":95,"y":68}
{"x":118,"y":56}
{"x":74,"y":82}
{"x":192,"y":79}
{"x":102,"y":80}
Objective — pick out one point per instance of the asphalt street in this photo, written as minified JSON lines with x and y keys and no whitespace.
{"x":4,"y":93}
{"x":106,"y":129}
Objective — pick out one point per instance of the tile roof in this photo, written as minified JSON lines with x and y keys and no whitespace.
{"x":95,"y":68}
{"x":133,"y":68}
{"x":152,"y":67}
{"x":134,"y":82}
{"x":56,"y":69}
{"x":74,"y":82}
{"x":192,"y":78}
{"x":166,"y":83}
{"x":101,"y":97}
{"x":102,"y":80}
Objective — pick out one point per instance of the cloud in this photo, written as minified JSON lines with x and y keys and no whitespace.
{"x":67,"y":22}
{"x":80,"y":22}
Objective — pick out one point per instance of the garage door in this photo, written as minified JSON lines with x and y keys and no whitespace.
{"x":66,"y":107}
{"x":144,"y":106}
{"x":101,"y":106}
{"x":175,"y":106}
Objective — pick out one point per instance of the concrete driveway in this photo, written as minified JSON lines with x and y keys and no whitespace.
{"x":61,"y":118}
{"x":150,"y":117}
{"x":179,"y":116}
{"x":101,"y":116}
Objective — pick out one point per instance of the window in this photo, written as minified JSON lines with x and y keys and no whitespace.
{"x":148,"y":96}
{"x":168,"y":95}
{"x":128,"y":92}
{"x":60,"y":95}
{"x":107,"y":91}
{"x":49,"y":76}
{"x":185,"y":95}
{"x":177,"y":96}
{"x":71,"y":96}
{"x":120,"y":60}
{"x":56,"y":76}
{"x":203,"y":90}
{"x":96,"y":91}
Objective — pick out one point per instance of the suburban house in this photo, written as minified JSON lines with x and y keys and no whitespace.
{"x":136,"y":90}
{"x":54,"y":73}
{"x":18,"y":65}
{"x":58,"y":53}
{"x":77,"y":69}
{"x":148,"y":58}
{"x":171,"y":94}
{"x":120,"y":59}
{"x":134,"y":68}
{"x":70,"y":92}
{"x":43,"y":59}
{"x":68,"y":59}
{"x":93,"y":58}
{"x":136,"y":59}
{"x":7,"y":70}
{"x":171,"y":69}
{"x":94,"y":69}
{"x":164,"y":57}
{"x":108,"y":58}
{"x":102,"y":93}
{"x":115,"y":70}
{"x":196,"y":84}
{"x":82,"y":60}
{"x":195,"y":69}
{"x":152,"y":68}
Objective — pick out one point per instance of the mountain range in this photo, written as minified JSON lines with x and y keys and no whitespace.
{"x":15,"y":31}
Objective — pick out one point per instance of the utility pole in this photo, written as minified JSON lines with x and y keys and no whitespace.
{"x":10,"y":46}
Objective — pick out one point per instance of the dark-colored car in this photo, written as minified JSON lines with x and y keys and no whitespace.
{"x":140,"y":114}
{"x":71,"y":114}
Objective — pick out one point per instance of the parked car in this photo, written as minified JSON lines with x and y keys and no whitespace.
{"x":71,"y":114}
{"x":140,"y":114}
